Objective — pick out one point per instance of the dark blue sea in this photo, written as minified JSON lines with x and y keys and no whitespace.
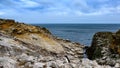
{"x":81,"y":33}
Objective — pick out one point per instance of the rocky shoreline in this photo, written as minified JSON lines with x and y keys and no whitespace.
{"x":27,"y":46}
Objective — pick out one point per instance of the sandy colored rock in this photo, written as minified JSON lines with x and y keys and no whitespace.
{"x":33,"y":47}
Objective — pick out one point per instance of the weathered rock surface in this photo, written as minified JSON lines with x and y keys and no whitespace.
{"x":27,"y":46}
{"x":105,"y":48}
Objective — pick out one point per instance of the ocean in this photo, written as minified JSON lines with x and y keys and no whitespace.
{"x":82,"y":33}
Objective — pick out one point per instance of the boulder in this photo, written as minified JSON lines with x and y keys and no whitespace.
{"x":105,"y":48}
{"x":100,"y":45}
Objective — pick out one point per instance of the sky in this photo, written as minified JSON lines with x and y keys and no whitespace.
{"x":61,"y":11}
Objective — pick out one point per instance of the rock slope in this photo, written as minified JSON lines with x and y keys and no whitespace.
{"x":27,"y":46}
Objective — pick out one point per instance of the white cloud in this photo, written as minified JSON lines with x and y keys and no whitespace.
{"x":118,"y":9}
{"x":2,"y":13}
{"x":52,"y":9}
{"x":28,"y":3}
{"x":101,"y":1}
{"x":110,"y":10}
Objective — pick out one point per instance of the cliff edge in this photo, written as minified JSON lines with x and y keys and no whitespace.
{"x":27,"y":46}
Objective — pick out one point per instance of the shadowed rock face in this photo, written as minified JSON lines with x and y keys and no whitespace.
{"x":100,"y":40}
{"x":28,"y":46}
{"x":116,"y":43}
{"x":105,"y":48}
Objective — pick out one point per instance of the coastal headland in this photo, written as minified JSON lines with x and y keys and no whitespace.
{"x":27,"y":46}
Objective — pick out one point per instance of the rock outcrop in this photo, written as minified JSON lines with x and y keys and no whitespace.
{"x":27,"y":46}
{"x":105,"y":48}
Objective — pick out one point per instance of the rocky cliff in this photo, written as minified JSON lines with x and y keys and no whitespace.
{"x":27,"y":46}
{"x":105,"y":48}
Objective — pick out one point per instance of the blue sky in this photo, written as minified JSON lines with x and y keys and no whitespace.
{"x":61,"y":11}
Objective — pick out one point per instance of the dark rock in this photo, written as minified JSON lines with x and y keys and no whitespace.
{"x":100,"y":40}
{"x":1,"y":66}
{"x":115,"y":46}
{"x":105,"y":45}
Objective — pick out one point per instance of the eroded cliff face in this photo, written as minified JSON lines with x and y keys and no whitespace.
{"x":27,"y":46}
{"x":30,"y":34}
{"x":105,"y":48}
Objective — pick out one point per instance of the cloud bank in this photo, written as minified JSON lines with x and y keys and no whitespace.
{"x":61,"y":11}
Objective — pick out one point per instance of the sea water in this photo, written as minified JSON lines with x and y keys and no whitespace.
{"x":82,"y":33}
